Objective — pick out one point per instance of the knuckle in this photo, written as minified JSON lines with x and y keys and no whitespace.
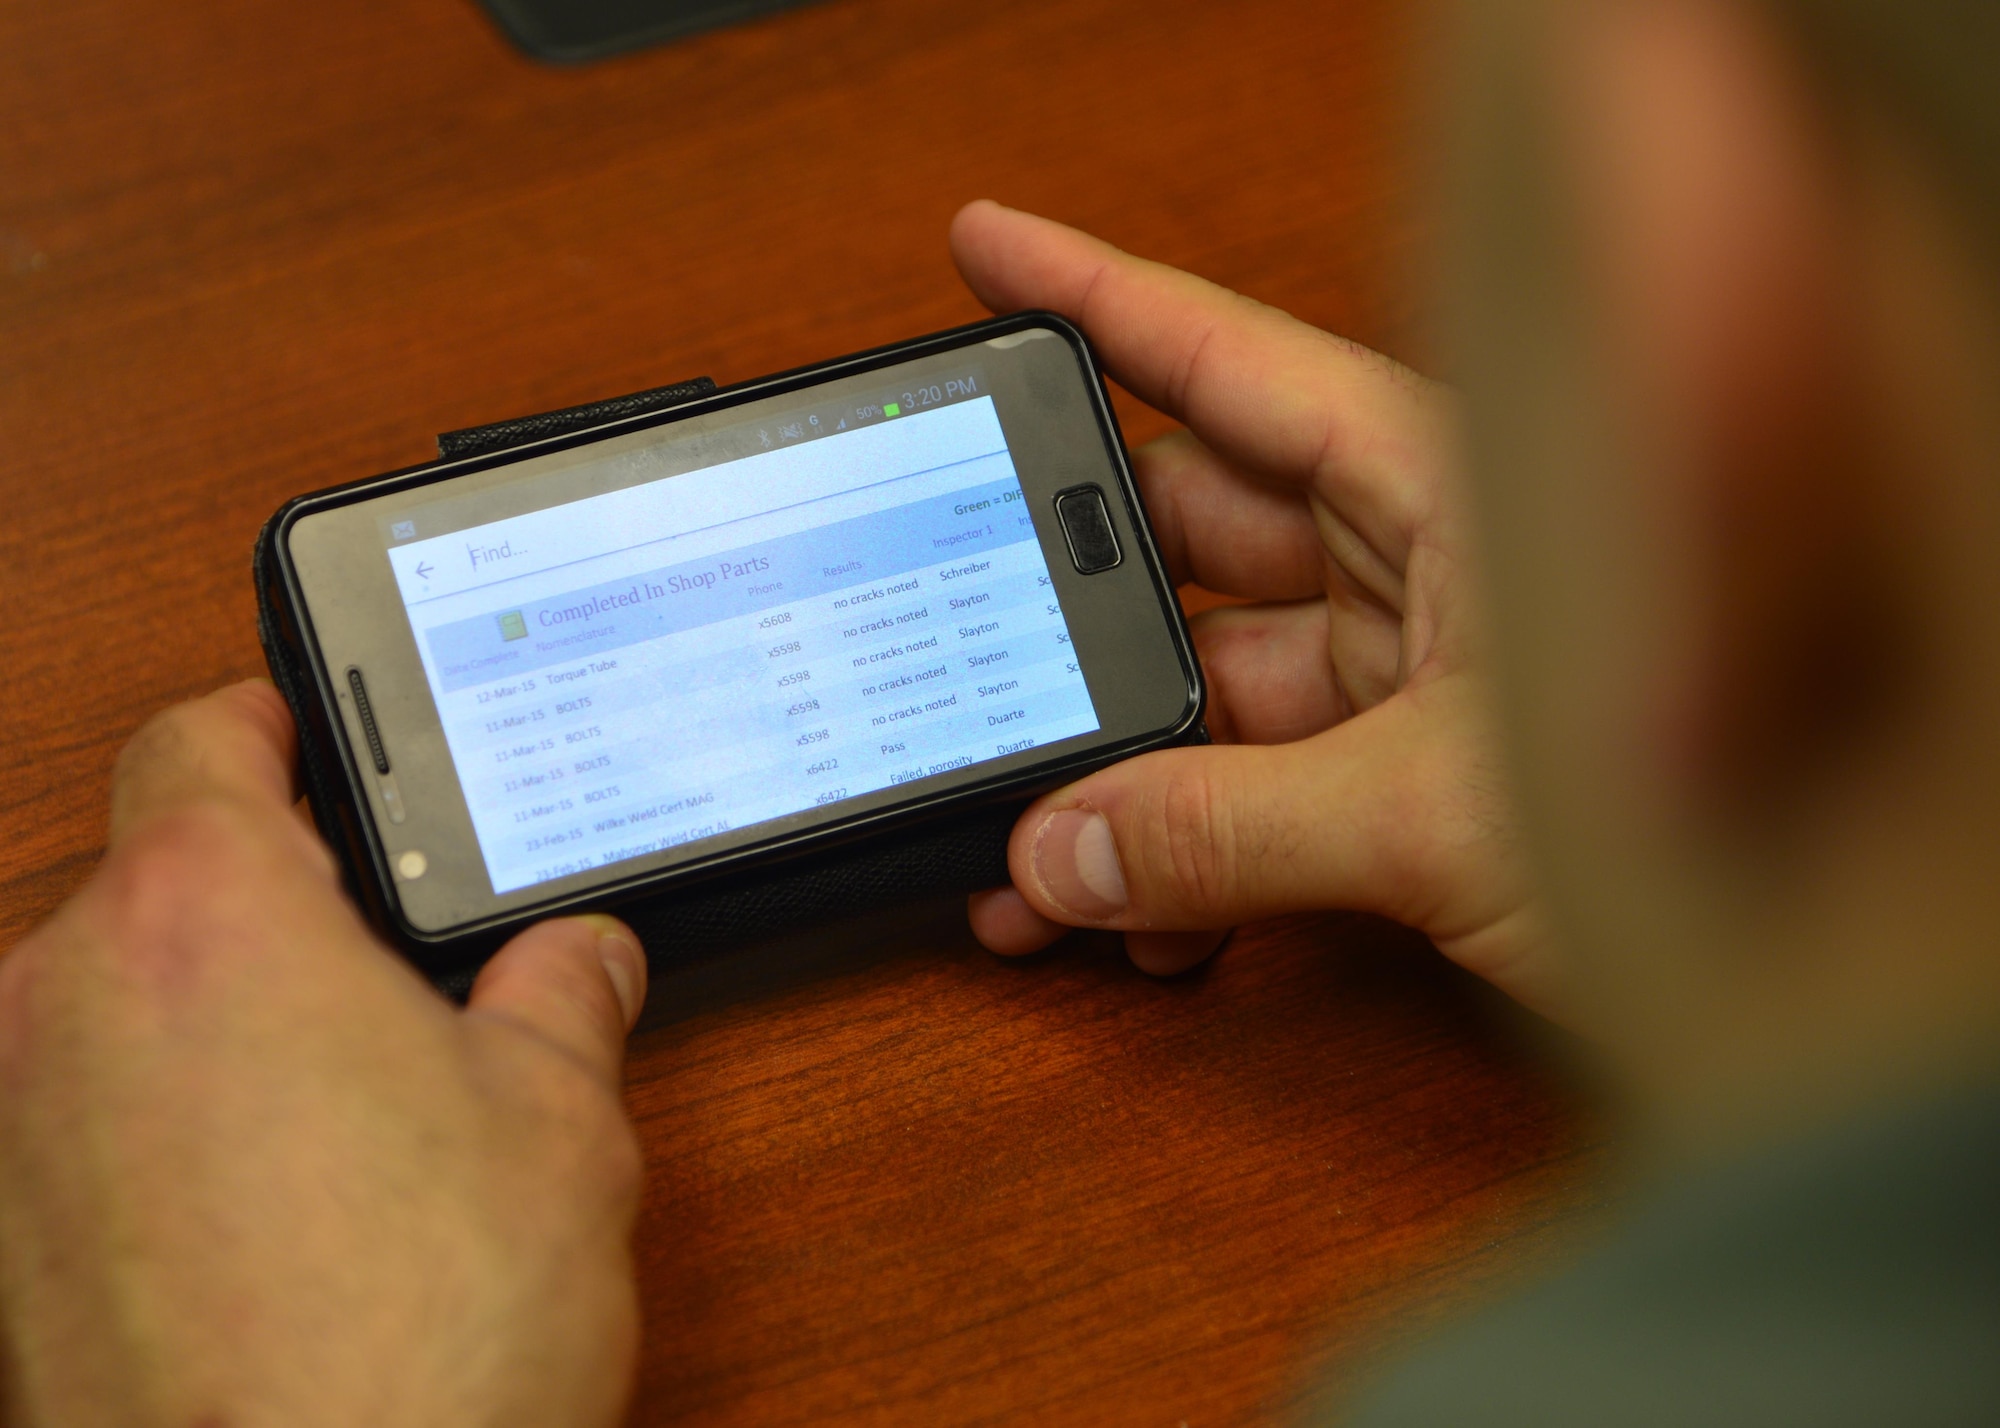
{"x":1223,"y":636}
{"x":153,"y":918}
{"x":162,"y":886}
{"x":598,"y":1145}
{"x":181,"y":848}
{"x":1193,"y":847}
{"x":161,"y":739}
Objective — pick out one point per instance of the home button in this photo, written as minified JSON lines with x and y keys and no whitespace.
{"x":1086,"y":524}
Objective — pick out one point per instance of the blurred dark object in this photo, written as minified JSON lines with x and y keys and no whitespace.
{"x":569,"y":31}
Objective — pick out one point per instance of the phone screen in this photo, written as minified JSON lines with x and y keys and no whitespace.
{"x":855,"y":601}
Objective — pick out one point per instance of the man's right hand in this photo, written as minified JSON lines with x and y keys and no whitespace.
{"x":254,"y":1171}
{"x":1356,"y":763}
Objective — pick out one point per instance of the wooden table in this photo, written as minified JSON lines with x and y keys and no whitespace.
{"x":250,"y":249}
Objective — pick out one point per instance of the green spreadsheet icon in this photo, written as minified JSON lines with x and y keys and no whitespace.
{"x":512,"y":626}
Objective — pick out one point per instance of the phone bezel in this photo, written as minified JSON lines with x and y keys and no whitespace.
{"x":785,"y":845}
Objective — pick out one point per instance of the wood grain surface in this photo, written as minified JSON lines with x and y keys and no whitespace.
{"x":248,"y":249}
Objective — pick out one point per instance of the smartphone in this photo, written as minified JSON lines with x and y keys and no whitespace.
{"x":776,"y":619}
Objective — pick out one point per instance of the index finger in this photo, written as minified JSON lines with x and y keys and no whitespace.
{"x":1257,"y":385}
{"x":238,"y":744}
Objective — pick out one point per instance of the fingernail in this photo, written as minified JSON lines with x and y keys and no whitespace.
{"x":623,"y":963}
{"x":1076,"y":861}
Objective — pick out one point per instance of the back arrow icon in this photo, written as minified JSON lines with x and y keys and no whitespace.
{"x":423,"y":572}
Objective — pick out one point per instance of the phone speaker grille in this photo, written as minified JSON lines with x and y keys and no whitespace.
{"x":367,"y":714}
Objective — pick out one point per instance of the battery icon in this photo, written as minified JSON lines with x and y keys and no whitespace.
{"x":891,"y":409}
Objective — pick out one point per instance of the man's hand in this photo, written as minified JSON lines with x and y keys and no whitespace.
{"x":1356,"y":765}
{"x":253,"y":1170}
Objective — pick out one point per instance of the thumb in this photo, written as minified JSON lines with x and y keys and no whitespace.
{"x":576,"y":982}
{"x":1210,"y":837}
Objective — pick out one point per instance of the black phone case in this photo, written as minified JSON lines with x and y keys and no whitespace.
{"x":925,"y":856}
